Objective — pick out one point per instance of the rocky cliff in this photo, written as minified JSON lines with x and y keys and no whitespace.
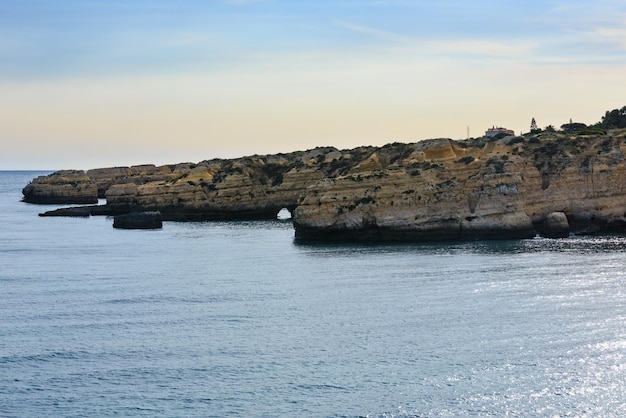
{"x":511,"y":187}
{"x":250,"y":187}
{"x":61,"y":187}
{"x":551,"y":183}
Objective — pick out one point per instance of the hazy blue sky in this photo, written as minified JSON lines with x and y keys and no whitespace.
{"x":99,"y":83}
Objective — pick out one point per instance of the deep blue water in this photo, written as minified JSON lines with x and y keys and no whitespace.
{"x":236,"y":319}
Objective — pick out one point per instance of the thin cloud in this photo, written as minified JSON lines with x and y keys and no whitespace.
{"x":613,"y":35}
{"x":586,"y":43}
{"x":582,"y":32}
{"x":464,"y":46}
{"x":373,"y":32}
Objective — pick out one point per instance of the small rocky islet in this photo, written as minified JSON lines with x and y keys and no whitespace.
{"x":551,"y":183}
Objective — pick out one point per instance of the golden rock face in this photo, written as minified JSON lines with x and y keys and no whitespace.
{"x":505,"y":188}
{"x":61,"y":187}
{"x":434,"y":189}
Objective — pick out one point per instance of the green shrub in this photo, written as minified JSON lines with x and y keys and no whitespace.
{"x":592,"y":131}
{"x":466,"y":160}
{"x":516,"y":140}
{"x":497,"y":164}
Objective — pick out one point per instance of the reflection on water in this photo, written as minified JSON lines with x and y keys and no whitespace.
{"x":577,"y":244}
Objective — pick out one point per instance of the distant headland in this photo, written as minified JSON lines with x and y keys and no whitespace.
{"x":547,"y":181}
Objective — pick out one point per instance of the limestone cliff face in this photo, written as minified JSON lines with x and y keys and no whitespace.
{"x":442,"y":189}
{"x":551,"y":183}
{"x":244,"y":188}
{"x":434,"y":190}
{"x":62,"y":187}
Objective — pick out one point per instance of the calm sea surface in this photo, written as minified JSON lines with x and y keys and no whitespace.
{"x":236,"y":319}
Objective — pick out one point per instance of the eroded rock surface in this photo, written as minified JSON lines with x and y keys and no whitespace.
{"x":62,"y":187}
{"x":430,"y":190}
{"x":506,"y":188}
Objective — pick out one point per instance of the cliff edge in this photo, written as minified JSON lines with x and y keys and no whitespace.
{"x":511,"y":187}
{"x":552,"y":183}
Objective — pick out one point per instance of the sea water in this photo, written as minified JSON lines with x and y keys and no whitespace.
{"x":221,"y":319}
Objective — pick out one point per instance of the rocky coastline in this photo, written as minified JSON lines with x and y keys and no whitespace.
{"x":547,"y":183}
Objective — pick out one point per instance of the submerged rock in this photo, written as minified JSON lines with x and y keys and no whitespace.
{"x":84,"y":211}
{"x":139,"y":220}
{"x":79,"y":211}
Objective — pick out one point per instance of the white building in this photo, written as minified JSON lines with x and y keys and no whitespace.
{"x":493,"y":131}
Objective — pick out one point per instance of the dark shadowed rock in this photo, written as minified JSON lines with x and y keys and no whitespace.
{"x":555,"y":226}
{"x":85,"y":211}
{"x":139,"y":220}
{"x":77,"y":211}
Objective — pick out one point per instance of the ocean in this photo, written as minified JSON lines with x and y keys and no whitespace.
{"x":225,"y":319}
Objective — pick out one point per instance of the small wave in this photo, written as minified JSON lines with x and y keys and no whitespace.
{"x":42,"y":357}
{"x":169,"y":299}
{"x":401,"y":412}
{"x":323,"y":387}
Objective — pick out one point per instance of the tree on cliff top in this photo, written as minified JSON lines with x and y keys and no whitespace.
{"x":616,"y":118}
{"x":573,"y":126}
{"x":533,"y":127}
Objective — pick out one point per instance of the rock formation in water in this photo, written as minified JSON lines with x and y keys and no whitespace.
{"x":72,"y":212}
{"x":138,"y":220}
{"x":254,"y":187}
{"x":62,"y":187}
{"x":511,"y":187}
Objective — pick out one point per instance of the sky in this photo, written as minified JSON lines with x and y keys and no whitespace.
{"x":101,"y":83}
